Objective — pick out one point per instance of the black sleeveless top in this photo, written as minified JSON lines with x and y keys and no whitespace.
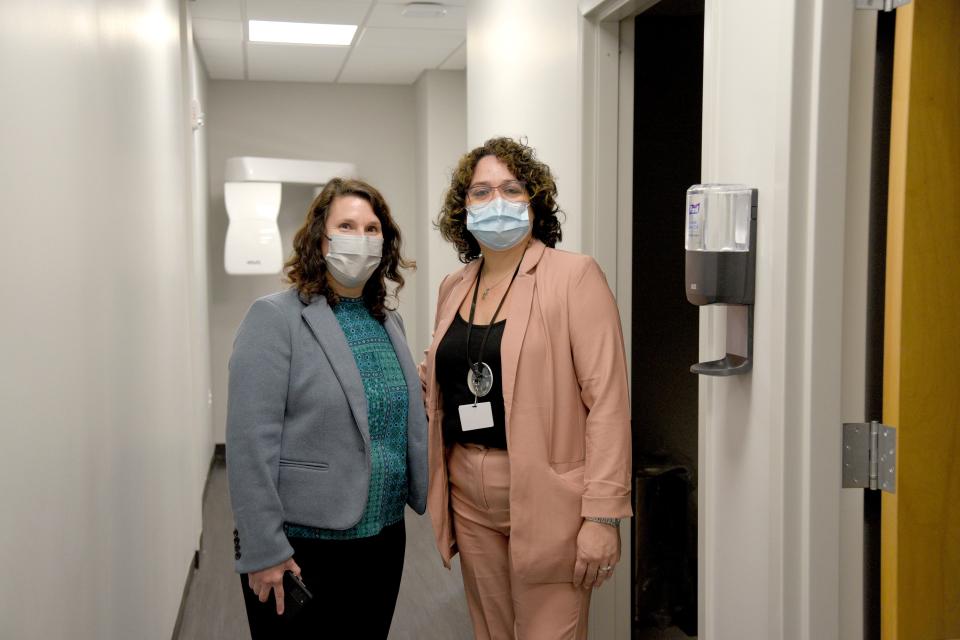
{"x":452,"y":366}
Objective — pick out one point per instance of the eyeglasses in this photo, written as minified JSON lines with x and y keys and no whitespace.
{"x":512,"y":190}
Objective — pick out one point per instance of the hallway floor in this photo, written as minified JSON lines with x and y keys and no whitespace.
{"x":431,"y":604}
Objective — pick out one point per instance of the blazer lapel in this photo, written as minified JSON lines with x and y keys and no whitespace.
{"x":326,"y":329}
{"x":521,"y":300}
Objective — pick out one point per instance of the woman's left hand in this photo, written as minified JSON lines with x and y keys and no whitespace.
{"x":598,"y":552}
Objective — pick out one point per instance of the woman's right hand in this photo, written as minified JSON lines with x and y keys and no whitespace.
{"x":272,"y":578}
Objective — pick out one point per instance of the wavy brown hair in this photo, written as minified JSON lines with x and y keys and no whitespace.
{"x":522,"y":162}
{"x":306,"y":270}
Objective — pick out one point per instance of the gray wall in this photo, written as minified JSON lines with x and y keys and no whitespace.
{"x":441,"y":140}
{"x":101,"y":420}
{"x":372,"y":126}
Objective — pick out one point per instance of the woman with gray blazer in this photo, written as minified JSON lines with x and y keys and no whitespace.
{"x":326,"y":431}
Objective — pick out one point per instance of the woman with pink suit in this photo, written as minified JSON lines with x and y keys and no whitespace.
{"x":526,"y":389}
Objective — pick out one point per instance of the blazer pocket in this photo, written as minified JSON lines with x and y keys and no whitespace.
{"x":301,"y":464}
{"x":563,"y":468}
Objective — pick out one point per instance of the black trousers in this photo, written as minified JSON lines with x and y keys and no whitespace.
{"x":354,"y":585}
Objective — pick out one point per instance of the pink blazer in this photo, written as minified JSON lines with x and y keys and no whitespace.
{"x":566,"y":405}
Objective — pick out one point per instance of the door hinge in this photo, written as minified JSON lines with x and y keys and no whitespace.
{"x":880,"y":5}
{"x":869,"y":456}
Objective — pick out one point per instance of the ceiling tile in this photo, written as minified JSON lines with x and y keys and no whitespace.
{"x":221,"y":48}
{"x":223,"y":70}
{"x":390,"y":65}
{"x":209,"y":29}
{"x":294,"y":63}
{"x":325,"y":12}
{"x":457,"y":60}
{"x":391,"y":15}
{"x":218,"y":9}
{"x":424,"y":57}
{"x":222,"y":58}
{"x":380,"y":76}
{"x":449,"y":39}
{"x":391,"y":49}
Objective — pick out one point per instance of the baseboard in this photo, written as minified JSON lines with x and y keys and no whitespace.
{"x":191,"y":571}
{"x":219,"y":457}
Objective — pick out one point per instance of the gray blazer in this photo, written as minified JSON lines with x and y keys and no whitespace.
{"x":298,"y":443}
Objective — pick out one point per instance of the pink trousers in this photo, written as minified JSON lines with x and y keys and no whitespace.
{"x":501,"y":606}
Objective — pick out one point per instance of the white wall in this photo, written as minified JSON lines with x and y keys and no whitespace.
{"x":523,"y":79}
{"x":195,"y":89}
{"x":777,"y":84}
{"x":372,"y":126}
{"x":776,"y":93}
{"x":101,"y":432}
{"x":441,"y":140}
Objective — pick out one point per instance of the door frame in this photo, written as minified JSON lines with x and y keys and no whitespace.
{"x":606,"y":36}
{"x":814,"y":216}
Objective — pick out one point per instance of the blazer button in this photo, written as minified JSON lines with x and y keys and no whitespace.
{"x":236,"y":556}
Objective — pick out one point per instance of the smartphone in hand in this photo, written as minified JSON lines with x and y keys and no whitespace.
{"x":295,"y":593}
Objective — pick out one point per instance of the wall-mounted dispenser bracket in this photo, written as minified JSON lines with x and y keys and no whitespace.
{"x":739,"y":358}
{"x":721,"y":238}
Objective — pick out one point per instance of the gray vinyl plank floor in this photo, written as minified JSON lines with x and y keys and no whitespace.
{"x":431,"y":605}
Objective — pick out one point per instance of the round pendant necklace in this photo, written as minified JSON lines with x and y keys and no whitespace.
{"x":480,"y":376}
{"x":480,"y":379}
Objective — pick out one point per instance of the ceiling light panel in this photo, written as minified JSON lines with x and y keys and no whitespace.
{"x":301,"y":33}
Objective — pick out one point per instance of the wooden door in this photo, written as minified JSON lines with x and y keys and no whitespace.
{"x":920,"y":549}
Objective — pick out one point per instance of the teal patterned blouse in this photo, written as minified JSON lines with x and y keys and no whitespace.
{"x":387,"y":406}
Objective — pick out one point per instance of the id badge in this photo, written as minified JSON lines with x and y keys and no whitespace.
{"x":476,"y":416}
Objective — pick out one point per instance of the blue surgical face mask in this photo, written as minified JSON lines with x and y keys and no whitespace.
{"x":498,"y":224}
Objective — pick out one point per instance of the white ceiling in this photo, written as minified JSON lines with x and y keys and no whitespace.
{"x":388,"y":48}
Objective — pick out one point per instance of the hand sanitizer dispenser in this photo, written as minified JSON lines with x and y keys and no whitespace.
{"x":721,"y":237}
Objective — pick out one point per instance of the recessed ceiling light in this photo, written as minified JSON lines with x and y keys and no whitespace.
{"x":424,"y":10}
{"x":301,"y":32}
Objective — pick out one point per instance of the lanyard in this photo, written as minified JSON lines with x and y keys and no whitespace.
{"x":473,"y":308}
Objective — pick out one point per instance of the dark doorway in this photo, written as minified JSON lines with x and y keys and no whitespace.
{"x":876,"y":289}
{"x":668,"y":101}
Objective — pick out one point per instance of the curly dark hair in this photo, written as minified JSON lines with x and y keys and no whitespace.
{"x":306,"y":270}
{"x":522,"y":162}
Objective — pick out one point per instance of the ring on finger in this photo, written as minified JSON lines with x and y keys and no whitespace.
{"x":606,"y":569}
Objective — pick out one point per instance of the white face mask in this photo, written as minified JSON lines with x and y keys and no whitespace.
{"x":351,"y":259}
